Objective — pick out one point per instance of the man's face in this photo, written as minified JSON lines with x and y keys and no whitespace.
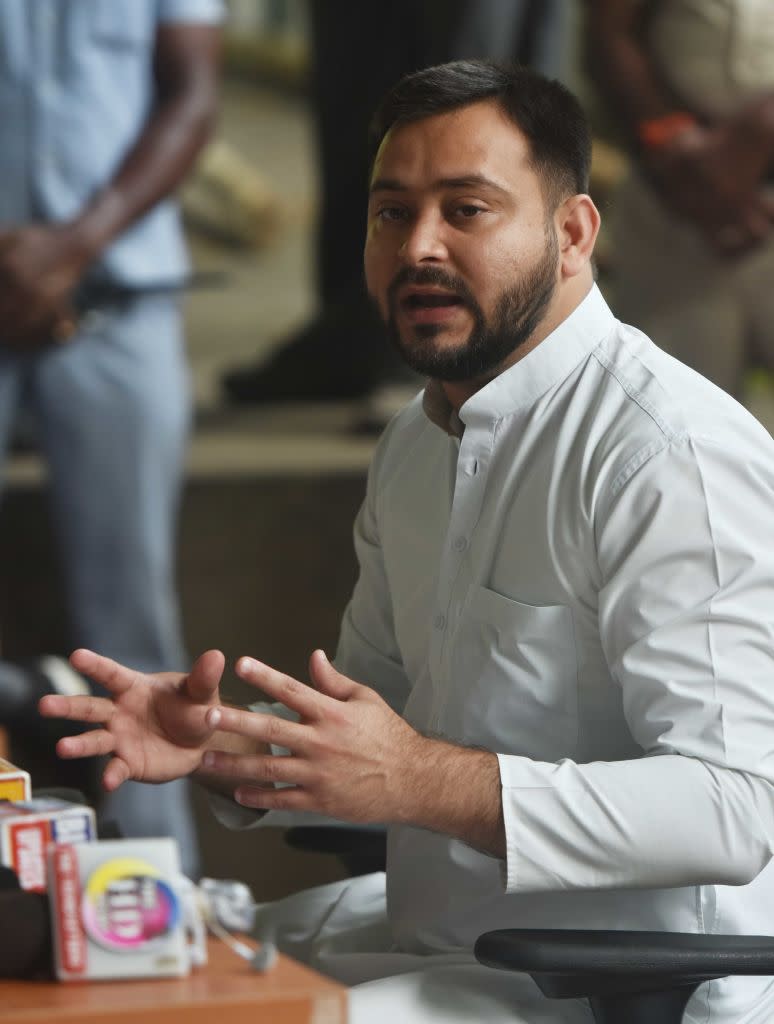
{"x":461,"y":257}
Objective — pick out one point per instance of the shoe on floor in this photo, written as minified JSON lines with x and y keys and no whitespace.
{"x":339,"y":356}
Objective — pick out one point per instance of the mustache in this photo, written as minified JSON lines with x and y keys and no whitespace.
{"x":430,"y":276}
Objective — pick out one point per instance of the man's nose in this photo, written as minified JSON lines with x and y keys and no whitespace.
{"x":424,"y":241}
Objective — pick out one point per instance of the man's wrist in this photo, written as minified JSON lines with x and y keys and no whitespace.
{"x":455,"y":791}
{"x":97,"y":225}
{"x":77,"y":249}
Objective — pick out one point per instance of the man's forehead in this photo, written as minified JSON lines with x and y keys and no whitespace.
{"x":476,"y":140}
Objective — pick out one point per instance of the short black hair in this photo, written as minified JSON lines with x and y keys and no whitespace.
{"x":546,"y":112}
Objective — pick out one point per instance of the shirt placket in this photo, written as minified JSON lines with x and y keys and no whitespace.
{"x":45,"y":15}
{"x":472,"y":468}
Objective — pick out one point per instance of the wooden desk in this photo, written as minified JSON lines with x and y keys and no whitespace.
{"x":226,"y":991}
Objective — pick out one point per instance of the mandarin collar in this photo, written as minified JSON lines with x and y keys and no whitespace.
{"x":522,"y":384}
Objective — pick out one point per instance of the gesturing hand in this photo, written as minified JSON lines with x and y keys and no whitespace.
{"x":155,"y":727}
{"x":349,"y":753}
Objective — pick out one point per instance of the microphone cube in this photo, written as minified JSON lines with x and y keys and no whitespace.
{"x":117,"y":910}
{"x":14,"y":783}
{"x":27,"y":827}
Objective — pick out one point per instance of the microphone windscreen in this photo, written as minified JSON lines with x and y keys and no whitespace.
{"x":8,"y":879}
{"x":25,"y":937}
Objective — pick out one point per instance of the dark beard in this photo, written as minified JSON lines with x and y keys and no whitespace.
{"x":518,"y":312}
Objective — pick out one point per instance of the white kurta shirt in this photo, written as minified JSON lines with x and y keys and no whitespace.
{"x":583,"y":583}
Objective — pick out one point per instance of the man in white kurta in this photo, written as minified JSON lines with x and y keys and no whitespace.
{"x":566,"y":590}
{"x":576,"y":573}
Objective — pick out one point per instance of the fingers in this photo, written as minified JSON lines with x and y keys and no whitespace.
{"x":329,"y":680}
{"x":115,"y":774}
{"x":262,"y":770}
{"x":261,"y":728}
{"x":288,"y":798}
{"x":87,"y":744}
{"x":288,"y":691}
{"x":750,"y":225}
{"x":113,"y":676}
{"x":77,"y":709}
{"x":92,"y":744}
{"x":204,"y":678}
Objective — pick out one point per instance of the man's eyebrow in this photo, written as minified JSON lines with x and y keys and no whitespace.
{"x":464,"y":181}
{"x":387,"y":185}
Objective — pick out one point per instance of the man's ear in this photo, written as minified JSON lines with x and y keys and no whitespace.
{"x":577,"y":225}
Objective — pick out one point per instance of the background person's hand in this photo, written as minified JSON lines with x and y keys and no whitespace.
{"x":153,"y":727}
{"x":40,"y":267}
{"x":714,"y":177}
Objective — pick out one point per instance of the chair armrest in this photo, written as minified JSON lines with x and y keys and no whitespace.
{"x":362,"y":849}
{"x":569,"y":964}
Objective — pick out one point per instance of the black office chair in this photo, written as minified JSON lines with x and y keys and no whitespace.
{"x":361,"y":850}
{"x":627,"y":977}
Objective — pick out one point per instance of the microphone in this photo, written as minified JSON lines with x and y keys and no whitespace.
{"x":8,"y":879}
{"x":25,"y":940}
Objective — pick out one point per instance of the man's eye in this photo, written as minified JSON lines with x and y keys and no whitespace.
{"x":468,"y":211}
{"x":391,"y":213}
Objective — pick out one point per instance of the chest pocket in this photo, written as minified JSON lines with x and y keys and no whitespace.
{"x":513,"y":678}
{"x":123,"y":25}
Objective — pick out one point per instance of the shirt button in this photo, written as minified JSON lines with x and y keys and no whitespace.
{"x":440,"y":621}
{"x":472,"y":467}
{"x":460,"y":543}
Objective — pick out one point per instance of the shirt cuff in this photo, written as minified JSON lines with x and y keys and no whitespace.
{"x":508,"y":867}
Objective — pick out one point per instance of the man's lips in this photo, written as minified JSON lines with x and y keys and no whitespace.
{"x":429,"y":305}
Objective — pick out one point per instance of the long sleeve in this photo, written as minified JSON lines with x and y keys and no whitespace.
{"x":687,"y":627}
{"x":367,"y":649}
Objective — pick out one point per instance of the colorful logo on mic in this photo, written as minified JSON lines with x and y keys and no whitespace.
{"x":127,"y":905}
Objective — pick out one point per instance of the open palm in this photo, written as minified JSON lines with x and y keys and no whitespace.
{"x":154,"y":726}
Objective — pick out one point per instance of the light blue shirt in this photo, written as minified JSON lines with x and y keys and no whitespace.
{"x":76,"y":86}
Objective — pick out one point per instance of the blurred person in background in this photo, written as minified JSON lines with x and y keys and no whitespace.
{"x":358,"y":54}
{"x":104,"y":105}
{"x":693,"y":249}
